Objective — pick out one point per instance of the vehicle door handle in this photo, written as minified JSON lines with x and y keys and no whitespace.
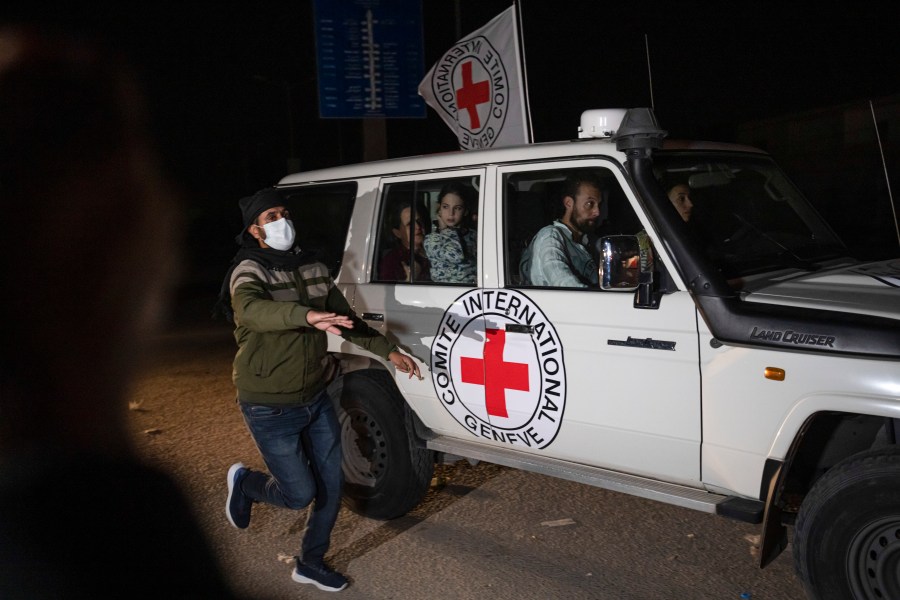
{"x":519,"y":328}
{"x":373,"y":317}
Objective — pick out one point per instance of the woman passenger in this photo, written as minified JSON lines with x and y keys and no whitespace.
{"x":451,"y":248}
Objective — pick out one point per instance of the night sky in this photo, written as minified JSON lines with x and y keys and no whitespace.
{"x":216,"y":75}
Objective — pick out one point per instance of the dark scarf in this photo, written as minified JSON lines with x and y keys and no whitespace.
{"x":268,"y":258}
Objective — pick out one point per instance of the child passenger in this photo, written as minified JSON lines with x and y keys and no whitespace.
{"x":451,"y":248}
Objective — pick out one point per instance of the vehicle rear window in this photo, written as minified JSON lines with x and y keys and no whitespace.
{"x":441,"y":253}
{"x":321,"y":216}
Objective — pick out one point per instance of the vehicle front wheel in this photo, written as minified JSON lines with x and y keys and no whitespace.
{"x":847,"y":538}
{"x":385,"y":474}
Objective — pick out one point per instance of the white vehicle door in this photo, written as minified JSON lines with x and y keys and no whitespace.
{"x":408,"y":292}
{"x":580,"y":373}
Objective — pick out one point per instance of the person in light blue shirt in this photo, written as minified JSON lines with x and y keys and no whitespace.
{"x":558,"y":255}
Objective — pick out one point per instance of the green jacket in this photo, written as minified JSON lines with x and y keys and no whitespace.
{"x":281,"y":359}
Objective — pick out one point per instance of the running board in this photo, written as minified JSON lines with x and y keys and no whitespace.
{"x":669,"y":493}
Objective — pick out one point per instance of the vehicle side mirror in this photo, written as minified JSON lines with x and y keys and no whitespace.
{"x":620,"y":263}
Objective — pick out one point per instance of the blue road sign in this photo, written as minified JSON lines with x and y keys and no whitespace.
{"x":369,"y":54}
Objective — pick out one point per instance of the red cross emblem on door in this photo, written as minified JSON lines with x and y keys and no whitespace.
{"x":471,"y":94}
{"x":495,"y":374}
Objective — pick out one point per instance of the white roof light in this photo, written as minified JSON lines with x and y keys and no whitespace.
{"x":600,"y":123}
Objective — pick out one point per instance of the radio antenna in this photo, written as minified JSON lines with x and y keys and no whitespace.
{"x":887,"y":178}
{"x":649,"y":72}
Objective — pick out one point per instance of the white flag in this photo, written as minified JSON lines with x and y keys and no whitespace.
{"x":477,"y":87}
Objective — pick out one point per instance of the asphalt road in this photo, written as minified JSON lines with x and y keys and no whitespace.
{"x":483,"y":531}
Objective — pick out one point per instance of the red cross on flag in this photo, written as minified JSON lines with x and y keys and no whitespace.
{"x":478,"y":87}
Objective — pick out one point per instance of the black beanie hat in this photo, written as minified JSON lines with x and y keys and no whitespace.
{"x":253,"y":206}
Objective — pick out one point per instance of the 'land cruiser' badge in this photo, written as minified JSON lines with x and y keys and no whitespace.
{"x":497,"y":367}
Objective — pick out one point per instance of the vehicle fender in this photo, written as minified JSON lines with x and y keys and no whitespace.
{"x":788,"y":442}
{"x":346,"y":364}
{"x":809,"y":405}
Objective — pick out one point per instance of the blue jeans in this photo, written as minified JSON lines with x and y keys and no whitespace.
{"x":301,"y":446}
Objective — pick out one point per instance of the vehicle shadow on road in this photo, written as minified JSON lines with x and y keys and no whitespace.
{"x":451,"y":483}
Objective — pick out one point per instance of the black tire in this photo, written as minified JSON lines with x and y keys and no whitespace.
{"x":847,"y":538}
{"x":385,"y":474}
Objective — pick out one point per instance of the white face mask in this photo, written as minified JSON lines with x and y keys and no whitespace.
{"x":279,"y":234}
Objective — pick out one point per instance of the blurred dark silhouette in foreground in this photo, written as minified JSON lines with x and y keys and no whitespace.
{"x":87,"y":257}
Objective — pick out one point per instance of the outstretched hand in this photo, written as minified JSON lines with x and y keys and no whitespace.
{"x":404,"y":364}
{"x":326,"y":321}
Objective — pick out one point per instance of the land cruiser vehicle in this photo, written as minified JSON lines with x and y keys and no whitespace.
{"x":751,"y":369}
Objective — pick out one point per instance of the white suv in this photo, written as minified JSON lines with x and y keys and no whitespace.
{"x":742,"y":365}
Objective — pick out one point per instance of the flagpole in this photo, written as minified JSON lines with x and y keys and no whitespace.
{"x":649,"y":71}
{"x":520,"y":43}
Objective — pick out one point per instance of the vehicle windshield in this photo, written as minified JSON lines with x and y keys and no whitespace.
{"x":744,"y":212}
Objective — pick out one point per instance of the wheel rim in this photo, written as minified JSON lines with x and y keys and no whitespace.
{"x":874,"y":560}
{"x":364,"y":448}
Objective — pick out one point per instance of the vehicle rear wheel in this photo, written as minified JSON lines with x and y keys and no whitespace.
{"x":847,"y":538}
{"x":385,"y":474}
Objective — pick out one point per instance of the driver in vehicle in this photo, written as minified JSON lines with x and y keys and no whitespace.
{"x":680,"y":197}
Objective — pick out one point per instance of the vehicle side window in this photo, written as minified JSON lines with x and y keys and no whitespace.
{"x":428,"y":232}
{"x":321,"y":216}
{"x":542,"y":248}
